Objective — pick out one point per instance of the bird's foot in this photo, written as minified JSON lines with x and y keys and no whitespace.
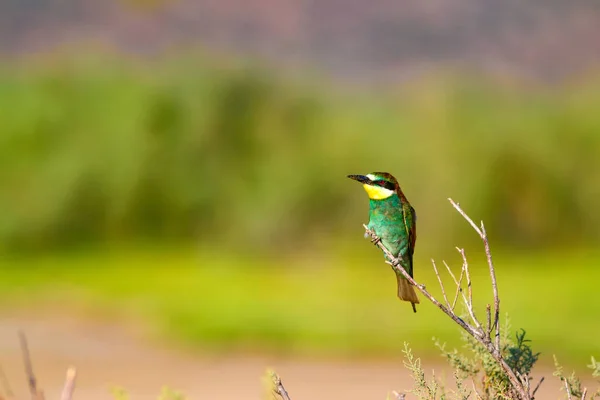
{"x":368,"y":232}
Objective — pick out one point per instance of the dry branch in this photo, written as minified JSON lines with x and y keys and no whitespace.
{"x":482,"y":334}
{"x":536,"y":388}
{"x":469,"y":300}
{"x":69,"y":387}
{"x":441,"y":285}
{"x":488,"y":254}
{"x":457,"y":282}
{"x":278,"y":387}
{"x":31,"y":380}
{"x":6,"y":385}
{"x":398,"y":396}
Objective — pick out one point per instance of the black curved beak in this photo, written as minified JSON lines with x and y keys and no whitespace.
{"x":360,"y":178}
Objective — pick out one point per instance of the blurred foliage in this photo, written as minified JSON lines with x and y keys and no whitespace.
{"x":573,"y":385}
{"x":343,"y":305}
{"x":104,"y":149}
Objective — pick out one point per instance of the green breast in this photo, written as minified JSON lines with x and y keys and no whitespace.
{"x":386,"y":219}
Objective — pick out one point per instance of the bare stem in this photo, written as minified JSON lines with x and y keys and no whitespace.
{"x":466,"y":217}
{"x":469,"y":301}
{"x":398,"y":396}
{"x":6,"y":385}
{"x":69,"y":387}
{"x":278,"y":387}
{"x":441,"y":284}
{"x":31,"y":380}
{"x":488,"y":255}
{"x":536,"y":388}
{"x":569,"y":397}
{"x":457,"y":282}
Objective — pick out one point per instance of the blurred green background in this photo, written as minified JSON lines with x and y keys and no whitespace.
{"x":206,"y":196}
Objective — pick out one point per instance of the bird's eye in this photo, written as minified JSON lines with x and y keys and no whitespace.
{"x":381,"y":183}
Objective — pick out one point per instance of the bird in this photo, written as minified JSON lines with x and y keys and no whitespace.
{"x":393,"y":220}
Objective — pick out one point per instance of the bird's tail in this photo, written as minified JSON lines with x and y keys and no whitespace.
{"x":406,"y":292}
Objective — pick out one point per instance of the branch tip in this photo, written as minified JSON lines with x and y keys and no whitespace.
{"x":278,"y":386}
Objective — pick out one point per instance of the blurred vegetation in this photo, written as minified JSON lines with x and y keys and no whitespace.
{"x":104,"y":149}
{"x":342,"y":306}
{"x":142,"y":159}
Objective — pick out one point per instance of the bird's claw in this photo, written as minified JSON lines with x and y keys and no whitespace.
{"x":370,"y":234}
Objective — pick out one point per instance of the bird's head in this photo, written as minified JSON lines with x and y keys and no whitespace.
{"x":378,"y":185}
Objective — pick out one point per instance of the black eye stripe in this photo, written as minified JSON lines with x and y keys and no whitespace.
{"x":385,"y":184}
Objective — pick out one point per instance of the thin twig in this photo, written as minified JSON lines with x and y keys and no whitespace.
{"x":569,"y":397}
{"x":465,"y":216}
{"x":488,"y":315}
{"x":584,"y":393}
{"x":488,"y":254}
{"x":467,"y":274}
{"x":69,"y":387}
{"x":278,"y":387}
{"x":398,"y":396}
{"x":536,"y":388}
{"x":527,"y":383}
{"x":482,"y":234}
{"x":458,"y":283}
{"x":451,"y":273}
{"x":466,"y":268}
{"x":31,"y":381}
{"x":476,"y":392}
{"x":469,"y":302}
{"x":441,"y":284}
{"x":6,"y":385}
{"x":524,"y":380}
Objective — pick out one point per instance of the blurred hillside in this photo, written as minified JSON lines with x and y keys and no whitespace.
{"x":375,"y":40}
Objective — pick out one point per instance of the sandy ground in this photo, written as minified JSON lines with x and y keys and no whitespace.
{"x":108,"y":356}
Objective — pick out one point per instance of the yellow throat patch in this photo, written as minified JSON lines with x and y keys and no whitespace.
{"x":377,"y":192}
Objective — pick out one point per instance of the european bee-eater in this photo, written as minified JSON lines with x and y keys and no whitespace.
{"x":393,"y":220}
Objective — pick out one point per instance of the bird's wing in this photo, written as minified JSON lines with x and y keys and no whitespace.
{"x":410,"y":224}
{"x":413,"y":230}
